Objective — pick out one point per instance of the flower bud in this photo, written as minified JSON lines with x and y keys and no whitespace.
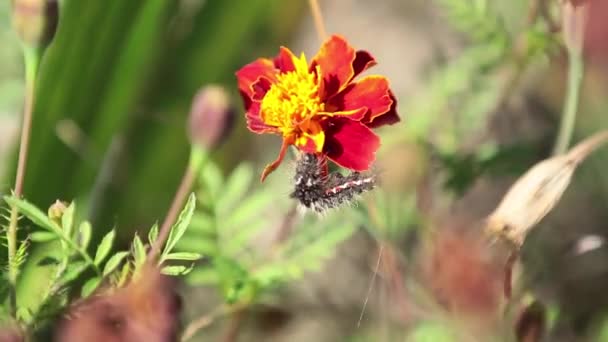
{"x":35,"y":21}
{"x":574,"y":20}
{"x":56,"y":211}
{"x":211,"y":117}
{"x":537,"y":192}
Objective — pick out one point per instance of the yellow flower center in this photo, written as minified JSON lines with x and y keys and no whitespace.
{"x":292,"y":102}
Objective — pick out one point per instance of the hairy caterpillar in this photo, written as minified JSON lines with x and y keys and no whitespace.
{"x":319,"y":190}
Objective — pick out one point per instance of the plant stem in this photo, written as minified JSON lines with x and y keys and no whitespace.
{"x":318,"y":17}
{"x":568,"y":121}
{"x":197,"y":158}
{"x":31,"y":59}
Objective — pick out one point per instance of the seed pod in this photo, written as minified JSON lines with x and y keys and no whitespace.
{"x":211,"y":117}
{"x":35,"y":21}
{"x":537,"y":192}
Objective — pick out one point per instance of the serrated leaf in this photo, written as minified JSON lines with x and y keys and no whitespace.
{"x":84,"y":234}
{"x":179,"y":228}
{"x":186,"y":256}
{"x":153,"y":234}
{"x":43,"y":236}
{"x":235,"y":187}
{"x":176,"y":270}
{"x":67,"y":219}
{"x":113,"y":262}
{"x":34,"y":214}
{"x":139,"y":252}
{"x":104,"y":247}
{"x":90,"y":286}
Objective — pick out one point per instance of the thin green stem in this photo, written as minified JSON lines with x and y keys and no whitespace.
{"x":568,"y":121}
{"x":31,"y":60}
{"x":197,"y":159}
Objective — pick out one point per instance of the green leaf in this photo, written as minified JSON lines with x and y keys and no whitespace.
{"x":203,"y":276}
{"x":202,"y":245}
{"x":43,"y":236}
{"x":176,"y":270}
{"x":139,"y":252}
{"x":84,"y":234}
{"x":235,"y":187}
{"x":90,"y":286}
{"x":432,"y":332}
{"x":186,"y":256}
{"x":30,"y":211}
{"x":67,"y":219}
{"x":212,"y":182}
{"x":113,"y":262}
{"x":104,"y":247}
{"x":250,"y":207}
{"x":202,"y":223}
{"x":123,"y":276}
{"x":74,"y":269}
{"x":153,"y":234}
{"x":179,"y":228}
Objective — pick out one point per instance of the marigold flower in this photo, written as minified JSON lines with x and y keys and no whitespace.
{"x":319,"y":107}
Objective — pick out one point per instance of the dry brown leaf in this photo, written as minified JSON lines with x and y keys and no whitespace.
{"x":537,"y":192}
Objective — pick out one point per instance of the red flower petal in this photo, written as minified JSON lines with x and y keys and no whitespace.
{"x":389,"y":118}
{"x":254,"y":121}
{"x":273,"y":166}
{"x":252,"y":106}
{"x":252,"y":72}
{"x":363,"y":61}
{"x":354,"y":114}
{"x":335,"y":61}
{"x":371,"y":92}
{"x":350,"y":144}
{"x":284,"y":60}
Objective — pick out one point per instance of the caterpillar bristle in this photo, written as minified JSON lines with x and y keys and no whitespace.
{"x":319,"y":191}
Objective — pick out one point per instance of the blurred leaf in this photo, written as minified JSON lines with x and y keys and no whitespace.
{"x":90,"y":286}
{"x":153,"y":234}
{"x":34,"y":214}
{"x":186,"y":256}
{"x":85,"y":231}
{"x":104,"y":247}
{"x":139,"y":252}
{"x":432,"y":332}
{"x":43,"y":236}
{"x":235,"y":187}
{"x":74,"y":269}
{"x":176,"y":270}
{"x":114,"y":262}
{"x":67,"y":219}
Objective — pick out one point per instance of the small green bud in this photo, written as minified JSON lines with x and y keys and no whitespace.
{"x":56,"y":211}
{"x":35,"y":21}
{"x":211,"y":117}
